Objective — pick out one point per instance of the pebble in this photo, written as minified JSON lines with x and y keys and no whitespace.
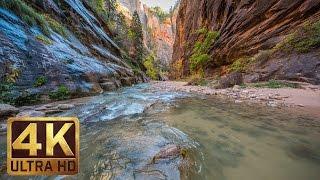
{"x":238,"y":101}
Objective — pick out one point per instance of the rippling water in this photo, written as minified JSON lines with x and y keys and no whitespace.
{"x":122,"y":131}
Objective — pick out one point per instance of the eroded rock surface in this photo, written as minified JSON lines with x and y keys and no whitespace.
{"x":159,"y":34}
{"x":85,"y":59}
{"x":247,"y":27}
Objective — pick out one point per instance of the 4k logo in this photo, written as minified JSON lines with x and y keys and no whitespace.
{"x":43,"y":146}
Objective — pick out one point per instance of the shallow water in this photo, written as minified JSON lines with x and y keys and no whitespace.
{"x":245,"y":142}
{"x":122,"y":131}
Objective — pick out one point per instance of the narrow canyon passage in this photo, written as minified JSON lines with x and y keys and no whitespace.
{"x":167,"y":89}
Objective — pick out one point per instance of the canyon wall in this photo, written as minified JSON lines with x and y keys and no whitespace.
{"x":159,"y":34}
{"x":56,"y":50}
{"x":283,"y":34}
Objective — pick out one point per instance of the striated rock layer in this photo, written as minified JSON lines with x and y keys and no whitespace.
{"x":158,"y":34}
{"x":85,"y":60}
{"x":247,"y":27}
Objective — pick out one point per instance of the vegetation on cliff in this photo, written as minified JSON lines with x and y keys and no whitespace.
{"x":152,"y":69}
{"x":61,"y":93}
{"x":200,"y":53}
{"x":86,"y":43}
{"x":26,"y":13}
{"x":106,"y":10}
{"x":136,"y":36}
{"x":34,"y":18}
{"x":276,"y":45}
{"x":303,"y":39}
{"x":161,"y":14}
{"x":7,"y":83}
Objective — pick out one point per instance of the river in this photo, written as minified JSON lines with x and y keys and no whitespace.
{"x":122,"y":131}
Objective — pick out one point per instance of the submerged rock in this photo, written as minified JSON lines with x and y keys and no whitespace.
{"x":170,"y":151}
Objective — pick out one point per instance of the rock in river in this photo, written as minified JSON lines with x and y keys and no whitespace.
{"x":7,"y":110}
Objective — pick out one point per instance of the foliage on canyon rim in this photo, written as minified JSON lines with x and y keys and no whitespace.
{"x":162,"y":15}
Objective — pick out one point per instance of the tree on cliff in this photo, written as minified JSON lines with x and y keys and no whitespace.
{"x":136,"y":35}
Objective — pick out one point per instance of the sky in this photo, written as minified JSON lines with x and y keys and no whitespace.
{"x":164,"y":4}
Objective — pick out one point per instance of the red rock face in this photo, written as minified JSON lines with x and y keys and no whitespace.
{"x":245,"y":26}
{"x":158,"y":35}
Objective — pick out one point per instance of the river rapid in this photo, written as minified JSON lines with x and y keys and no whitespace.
{"x":122,"y":132}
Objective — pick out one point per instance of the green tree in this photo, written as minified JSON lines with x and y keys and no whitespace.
{"x":136,"y":35}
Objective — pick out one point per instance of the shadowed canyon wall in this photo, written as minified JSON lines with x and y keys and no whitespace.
{"x":262,"y":39}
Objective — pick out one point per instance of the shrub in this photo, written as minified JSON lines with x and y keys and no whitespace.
{"x":262,"y":56}
{"x":62,"y":93}
{"x":100,"y":8}
{"x":27,"y":99}
{"x":26,"y":13}
{"x":56,"y":26}
{"x":152,"y":70}
{"x":302,"y":40}
{"x":6,"y":95}
{"x":12,"y":75}
{"x":241,"y":64}
{"x":7,"y":84}
{"x":200,"y":56}
{"x":43,"y":39}
{"x":176,"y":69}
{"x":202,"y":31}
{"x":40,"y":81}
{"x":197,"y":80}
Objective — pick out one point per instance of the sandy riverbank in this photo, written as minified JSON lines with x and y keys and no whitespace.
{"x":306,"y":98}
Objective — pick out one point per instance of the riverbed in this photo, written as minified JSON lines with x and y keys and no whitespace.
{"x":122,"y":132}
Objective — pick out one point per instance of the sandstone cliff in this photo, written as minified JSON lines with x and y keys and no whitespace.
{"x":159,"y":34}
{"x":57,"y":49}
{"x":262,"y":39}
